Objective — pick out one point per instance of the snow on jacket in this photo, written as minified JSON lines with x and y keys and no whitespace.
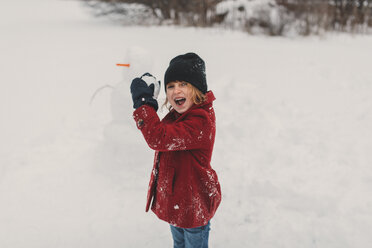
{"x":183,"y":188}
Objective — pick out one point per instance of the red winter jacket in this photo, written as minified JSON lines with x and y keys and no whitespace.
{"x":184,"y":189}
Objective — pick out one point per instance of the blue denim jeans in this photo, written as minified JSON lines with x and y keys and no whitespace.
{"x":190,"y":237}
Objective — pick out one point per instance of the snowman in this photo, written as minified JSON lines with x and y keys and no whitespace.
{"x":122,"y":139}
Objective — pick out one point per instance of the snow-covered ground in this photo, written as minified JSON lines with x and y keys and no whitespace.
{"x":293,"y":146}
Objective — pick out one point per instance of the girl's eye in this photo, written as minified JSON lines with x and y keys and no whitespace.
{"x":183,"y":83}
{"x":170,"y":86}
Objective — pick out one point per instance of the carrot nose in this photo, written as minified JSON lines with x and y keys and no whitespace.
{"x":126,"y":65}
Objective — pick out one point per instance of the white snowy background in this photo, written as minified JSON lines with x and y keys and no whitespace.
{"x":293,"y":148}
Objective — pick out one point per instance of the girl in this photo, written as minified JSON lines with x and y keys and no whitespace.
{"x":184,"y":190}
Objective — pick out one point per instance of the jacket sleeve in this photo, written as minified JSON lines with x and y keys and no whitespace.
{"x":190,"y":133}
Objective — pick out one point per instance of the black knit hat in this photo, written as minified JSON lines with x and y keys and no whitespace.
{"x":188,"y":67}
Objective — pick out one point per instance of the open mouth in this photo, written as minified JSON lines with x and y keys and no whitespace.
{"x":180,"y":101}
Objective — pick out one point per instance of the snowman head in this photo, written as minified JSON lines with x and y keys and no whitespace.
{"x":140,"y":62}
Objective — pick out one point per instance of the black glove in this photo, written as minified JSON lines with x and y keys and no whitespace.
{"x":143,"y":93}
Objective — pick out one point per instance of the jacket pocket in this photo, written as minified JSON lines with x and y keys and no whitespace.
{"x":170,"y":180}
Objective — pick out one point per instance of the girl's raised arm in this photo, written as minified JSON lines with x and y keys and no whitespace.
{"x":190,"y":133}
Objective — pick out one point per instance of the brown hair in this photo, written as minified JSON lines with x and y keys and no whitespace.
{"x":197,"y":96}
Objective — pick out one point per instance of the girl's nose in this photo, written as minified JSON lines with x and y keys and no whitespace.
{"x":177,"y":89}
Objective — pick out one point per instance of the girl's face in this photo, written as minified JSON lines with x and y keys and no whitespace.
{"x":179,"y":95}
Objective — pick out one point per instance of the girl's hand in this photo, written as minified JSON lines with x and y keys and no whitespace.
{"x":143,"y":93}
